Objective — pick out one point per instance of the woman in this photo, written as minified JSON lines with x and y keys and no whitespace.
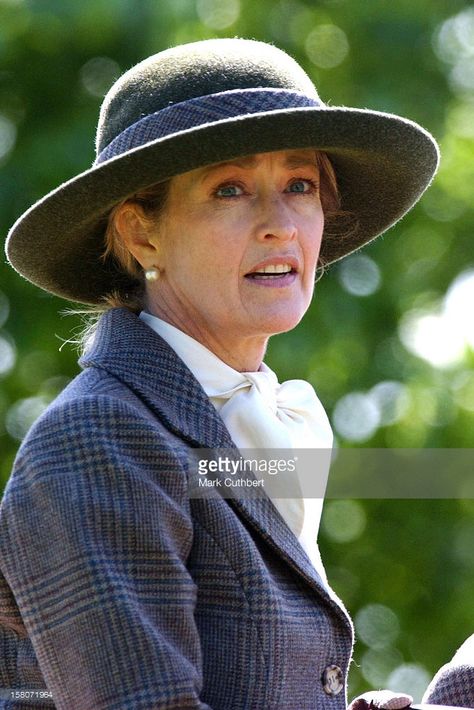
{"x":202,"y":219}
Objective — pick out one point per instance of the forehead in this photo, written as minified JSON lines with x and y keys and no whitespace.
{"x":285,"y":158}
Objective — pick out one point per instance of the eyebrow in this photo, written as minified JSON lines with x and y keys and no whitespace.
{"x":300,"y":161}
{"x":247,"y":162}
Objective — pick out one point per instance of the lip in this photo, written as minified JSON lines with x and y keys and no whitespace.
{"x":282,"y":281}
{"x":276,"y":261}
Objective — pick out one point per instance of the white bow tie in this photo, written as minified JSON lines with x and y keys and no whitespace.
{"x":265,"y":414}
{"x":262,"y":414}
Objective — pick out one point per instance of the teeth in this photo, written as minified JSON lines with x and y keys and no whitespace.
{"x":275,"y":269}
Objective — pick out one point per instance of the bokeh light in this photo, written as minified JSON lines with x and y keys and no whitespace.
{"x":216,"y":14}
{"x":392,"y":400}
{"x":4,"y":309}
{"x":98,"y":74}
{"x":460,"y":119}
{"x":413,"y":678}
{"x":462,"y":75}
{"x":430,"y":336}
{"x":7,"y":355}
{"x":462,"y":388}
{"x":343,"y":520}
{"x":377,"y":665}
{"x":458,"y":305}
{"x":359,"y":275}
{"x":377,"y":626}
{"x":35,"y":367}
{"x":327,"y":46}
{"x":356,"y":417}
{"x":433,"y":405}
{"x":22,"y":414}
{"x":441,"y":206}
{"x":7,"y":136}
{"x":453,"y":42}
{"x":440,"y":335}
{"x":454,"y":39}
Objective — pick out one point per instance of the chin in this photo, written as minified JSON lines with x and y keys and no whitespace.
{"x":281,"y":322}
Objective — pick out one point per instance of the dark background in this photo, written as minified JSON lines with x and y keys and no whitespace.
{"x":388,"y":342}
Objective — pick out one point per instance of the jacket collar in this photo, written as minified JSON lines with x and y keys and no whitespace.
{"x":130,"y":350}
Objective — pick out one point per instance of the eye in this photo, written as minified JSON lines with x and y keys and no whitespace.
{"x":230,"y":190}
{"x":302,"y":186}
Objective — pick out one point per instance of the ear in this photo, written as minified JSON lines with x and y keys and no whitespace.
{"x":137,"y":233}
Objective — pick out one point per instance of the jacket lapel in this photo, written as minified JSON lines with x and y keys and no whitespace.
{"x":265,"y":519}
{"x":130,"y":350}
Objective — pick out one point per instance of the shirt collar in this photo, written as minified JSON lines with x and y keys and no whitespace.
{"x":214,"y":375}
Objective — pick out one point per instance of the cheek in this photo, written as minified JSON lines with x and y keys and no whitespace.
{"x":313,"y":240}
{"x":201,"y":264}
{"x":218,"y":254}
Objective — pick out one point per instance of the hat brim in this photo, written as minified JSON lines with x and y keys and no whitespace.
{"x":383,"y":164}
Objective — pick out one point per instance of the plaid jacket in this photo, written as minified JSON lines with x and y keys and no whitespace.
{"x":454,"y":683}
{"x":119,"y":591}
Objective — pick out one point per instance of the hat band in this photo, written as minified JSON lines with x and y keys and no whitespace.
{"x":201,"y":110}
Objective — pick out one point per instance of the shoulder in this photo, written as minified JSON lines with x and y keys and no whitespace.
{"x":96,"y":405}
{"x":98,"y":467}
{"x":87,"y":418}
{"x":454,"y":682}
{"x":98,"y":435}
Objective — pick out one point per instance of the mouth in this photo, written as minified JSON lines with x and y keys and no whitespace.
{"x":271,"y":272}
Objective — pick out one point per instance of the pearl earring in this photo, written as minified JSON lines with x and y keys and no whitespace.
{"x":152,"y":274}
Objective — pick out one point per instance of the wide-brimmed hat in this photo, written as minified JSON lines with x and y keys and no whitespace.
{"x":203,"y":103}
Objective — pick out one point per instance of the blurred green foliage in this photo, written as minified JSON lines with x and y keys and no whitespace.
{"x":388,"y":342}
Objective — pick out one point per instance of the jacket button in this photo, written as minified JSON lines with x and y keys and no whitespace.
{"x":332,"y":680}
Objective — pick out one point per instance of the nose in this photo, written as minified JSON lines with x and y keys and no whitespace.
{"x":275,"y":219}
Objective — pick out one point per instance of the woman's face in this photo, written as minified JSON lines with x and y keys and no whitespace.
{"x":237,"y":246}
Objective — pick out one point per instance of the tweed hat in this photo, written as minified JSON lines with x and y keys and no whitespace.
{"x":203,"y":103}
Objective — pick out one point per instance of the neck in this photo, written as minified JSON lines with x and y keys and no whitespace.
{"x":242,"y":354}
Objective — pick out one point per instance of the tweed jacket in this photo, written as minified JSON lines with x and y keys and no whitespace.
{"x":118,"y":590}
{"x":454,"y":682}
